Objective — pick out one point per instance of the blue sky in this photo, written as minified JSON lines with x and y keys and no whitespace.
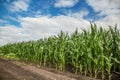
{"x":22,"y":20}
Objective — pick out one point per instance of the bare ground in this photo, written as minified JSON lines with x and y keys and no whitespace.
{"x":15,"y":70}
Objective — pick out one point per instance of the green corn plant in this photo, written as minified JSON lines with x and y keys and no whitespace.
{"x":109,"y":65}
{"x":62,"y":38}
{"x":76,"y":54}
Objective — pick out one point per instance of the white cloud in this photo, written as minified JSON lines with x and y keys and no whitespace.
{"x":41,"y":27}
{"x":103,"y":5}
{"x":19,"y":5}
{"x":78,"y":15}
{"x":110,"y":20}
{"x":10,"y":34}
{"x":65,"y":3}
{"x":108,"y":8}
{"x":4,"y":21}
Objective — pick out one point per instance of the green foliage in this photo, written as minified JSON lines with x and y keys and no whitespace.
{"x":89,"y":53}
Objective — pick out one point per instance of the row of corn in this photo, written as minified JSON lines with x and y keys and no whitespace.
{"x":95,"y":52}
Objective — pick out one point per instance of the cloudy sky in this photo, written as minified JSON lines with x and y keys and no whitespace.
{"x":22,"y":20}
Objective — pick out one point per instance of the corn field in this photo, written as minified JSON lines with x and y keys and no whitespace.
{"x":91,"y":53}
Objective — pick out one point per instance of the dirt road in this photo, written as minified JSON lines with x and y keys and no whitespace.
{"x":4,"y":75}
{"x":15,"y":70}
